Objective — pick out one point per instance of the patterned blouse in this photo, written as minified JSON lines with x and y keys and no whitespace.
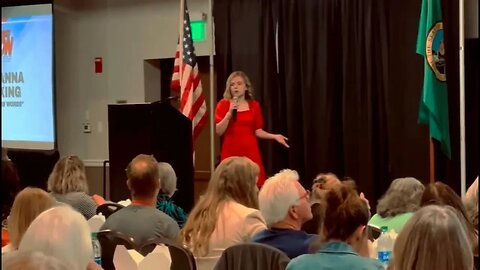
{"x":168,"y":206}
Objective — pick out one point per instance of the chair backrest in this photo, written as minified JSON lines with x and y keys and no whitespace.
{"x":182,"y":258}
{"x":252,"y":256}
{"x":108,"y":208}
{"x":108,"y":241}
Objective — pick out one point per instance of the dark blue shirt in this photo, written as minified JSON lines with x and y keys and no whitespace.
{"x":291,"y":242}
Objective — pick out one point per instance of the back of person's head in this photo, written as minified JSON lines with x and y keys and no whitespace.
{"x":168,"y":178}
{"x":142,"y":174}
{"x":278,"y":195}
{"x":63,"y":233}
{"x":439,"y":193}
{"x":403,"y":196}
{"x":322,"y":183}
{"x":28,"y":204}
{"x":68,"y":175}
{"x":234,"y":179}
{"x":345,"y":213}
{"x":10,"y":186}
{"x":32,"y":260}
{"x":421,"y":244}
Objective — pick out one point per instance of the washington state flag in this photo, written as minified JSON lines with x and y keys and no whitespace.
{"x":433,"y":109}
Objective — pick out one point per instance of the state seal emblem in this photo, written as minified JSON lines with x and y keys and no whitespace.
{"x":435,"y":51}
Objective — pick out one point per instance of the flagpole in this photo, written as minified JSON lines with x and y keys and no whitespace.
{"x":461,"y":36}
{"x":180,"y":43}
{"x":431,"y":151}
{"x":212,"y":89}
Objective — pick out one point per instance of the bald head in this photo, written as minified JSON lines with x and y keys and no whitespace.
{"x":142,"y":174}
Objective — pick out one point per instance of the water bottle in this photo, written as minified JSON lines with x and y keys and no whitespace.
{"x":384,"y":247}
{"x":97,"y":251}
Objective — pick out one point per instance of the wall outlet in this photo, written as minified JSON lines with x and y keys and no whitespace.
{"x":87,"y":128}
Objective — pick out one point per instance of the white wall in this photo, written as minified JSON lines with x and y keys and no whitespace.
{"x":123,"y":33}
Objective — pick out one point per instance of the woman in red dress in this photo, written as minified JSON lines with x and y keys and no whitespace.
{"x":239,"y":119}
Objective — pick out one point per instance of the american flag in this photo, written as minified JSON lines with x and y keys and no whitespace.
{"x":186,"y":78}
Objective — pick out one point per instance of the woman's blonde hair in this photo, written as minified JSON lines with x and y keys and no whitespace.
{"x":421,"y":244}
{"x":28,"y":204}
{"x":67,"y":176}
{"x":234,"y":179}
{"x":248,"y":92}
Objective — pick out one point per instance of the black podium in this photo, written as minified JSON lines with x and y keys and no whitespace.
{"x":154,"y":128}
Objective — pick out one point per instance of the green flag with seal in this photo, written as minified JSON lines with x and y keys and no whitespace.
{"x":433,"y":109}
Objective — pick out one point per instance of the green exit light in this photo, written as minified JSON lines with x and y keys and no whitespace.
{"x":198,"y":30}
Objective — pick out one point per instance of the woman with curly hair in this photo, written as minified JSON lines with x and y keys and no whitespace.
{"x":398,"y":204}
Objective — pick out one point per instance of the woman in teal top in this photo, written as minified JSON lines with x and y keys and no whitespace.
{"x":344,"y":228}
{"x":398,"y":204}
{"x":168,"y":186}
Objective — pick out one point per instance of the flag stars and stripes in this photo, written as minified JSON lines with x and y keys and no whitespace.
{"x":186,"y":79}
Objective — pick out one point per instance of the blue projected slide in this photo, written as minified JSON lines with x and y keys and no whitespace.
{"x":27,"y":80}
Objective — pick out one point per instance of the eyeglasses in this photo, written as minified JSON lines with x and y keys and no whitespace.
{"x":306,"y":195}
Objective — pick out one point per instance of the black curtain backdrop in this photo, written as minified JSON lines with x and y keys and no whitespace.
{"x":449,"y":170}
{"x":347,"y":87}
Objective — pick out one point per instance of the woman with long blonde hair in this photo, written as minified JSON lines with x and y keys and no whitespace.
{"x":434,"y":238}
{"x":28,"y":204}
{"x":239,"y":119}
{"x":228,"y":212}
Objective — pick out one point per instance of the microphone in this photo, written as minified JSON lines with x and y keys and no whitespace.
{"x":234,"y":111}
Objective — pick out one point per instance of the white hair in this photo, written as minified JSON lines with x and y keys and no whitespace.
{"x":277,"y":195}
{"x":63,"y":233}
{"x":31,"y":260}
{"x":168,"y":178}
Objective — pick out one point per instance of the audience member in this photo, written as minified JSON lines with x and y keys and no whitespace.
{"x":168,"y":186}
{"x":227,"y":214}
{"x":285,"y":206}
{"x":28,"y":204}
{"x":63,"y":233}
{"x":439,"y":193}
{"x":141,"y":220}
{"x":345,"y":230}
{"x":68,"y":184}
{"x":321,"y":185}
{"x":32,"y":260}
{"x":398,"y":204}
{"x":421,"y":243}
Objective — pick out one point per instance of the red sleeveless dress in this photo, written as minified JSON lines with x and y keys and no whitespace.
{"x":239,"y":138}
